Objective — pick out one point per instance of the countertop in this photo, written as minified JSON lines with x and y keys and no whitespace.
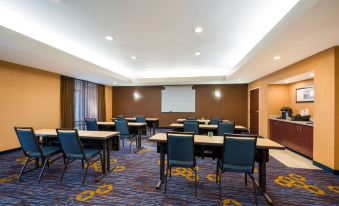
{"x":294,"y":122}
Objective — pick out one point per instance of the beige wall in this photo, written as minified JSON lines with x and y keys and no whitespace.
{"x":108,"y":101}
{"x":323,"y":108}
{"x":29,"y":97}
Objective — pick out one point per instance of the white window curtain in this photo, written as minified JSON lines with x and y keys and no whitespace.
{"x":85,"y":102}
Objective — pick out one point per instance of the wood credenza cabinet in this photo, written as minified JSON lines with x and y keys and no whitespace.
{"x":293,"y":136}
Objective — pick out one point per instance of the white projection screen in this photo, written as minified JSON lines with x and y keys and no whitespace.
{"x":178,"y":99}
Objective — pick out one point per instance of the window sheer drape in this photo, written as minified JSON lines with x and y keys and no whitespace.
{"x":85,"y":102}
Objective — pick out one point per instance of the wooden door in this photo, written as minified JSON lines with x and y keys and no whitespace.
{"x":254,"y":111}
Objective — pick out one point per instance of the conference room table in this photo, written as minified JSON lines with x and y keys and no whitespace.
{"x":151,"y":122}
{"x":201,"y":121}
{"x":102,"y":137}
{"x":139,"y":126}
{"x":209,"y":127}
{"x":262,"y":155}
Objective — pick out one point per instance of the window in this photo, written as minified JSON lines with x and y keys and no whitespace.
{"x":85,"y":102}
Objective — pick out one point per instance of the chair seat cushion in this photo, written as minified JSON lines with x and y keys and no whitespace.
{"x":237,"y":168}
{"x":179,"y":163}
{"x":46,"y":151}
{"x":89,"y":154}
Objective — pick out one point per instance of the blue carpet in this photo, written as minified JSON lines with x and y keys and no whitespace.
{"x":134,"y":179}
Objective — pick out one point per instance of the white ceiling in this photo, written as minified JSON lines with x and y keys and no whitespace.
{"x":238,"y":42}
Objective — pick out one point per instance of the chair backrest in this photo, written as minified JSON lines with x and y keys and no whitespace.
{"x":225,"y":127}
{"x":120,"y":117}
{"x":140,"y":118}
{"x":122,"y":127}
{"x":28,"y":140}
{"x":70,"y":142}
{"x":91,"y":124}
{"x":191,"y":126}
{"x":215,"y":120}
{"x":191,"y":118}
{"x":180,"y":146}
{"x":239,"y":150}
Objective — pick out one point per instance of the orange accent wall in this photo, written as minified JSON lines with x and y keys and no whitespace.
{"x":284,"y":95}
{"x":324,"y":107}
{"x":299,"y":106}
{"x":29,"y":97}
{"x":108,"y":102}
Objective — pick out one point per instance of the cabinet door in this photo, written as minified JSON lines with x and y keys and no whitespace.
{"x":291,"y":140}
{"x":272,"y":134}
{"x":306,"y":139}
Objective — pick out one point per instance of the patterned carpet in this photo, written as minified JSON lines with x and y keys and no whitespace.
{"x":134,"y":179}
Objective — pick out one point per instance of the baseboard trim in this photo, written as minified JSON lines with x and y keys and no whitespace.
{"x":325,"y":168}
{"x":10,"y":151}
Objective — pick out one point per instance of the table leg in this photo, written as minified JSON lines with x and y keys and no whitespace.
{"x":263,"y":158}
{"x":106,"y":167}
{"x":162,"y":165}
{"x":108,"y":153}
{"x":139,"y":140}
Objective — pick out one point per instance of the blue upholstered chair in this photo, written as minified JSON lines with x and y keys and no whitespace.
{"x":215,"y":120}
{"x":191,"y":126}
{"x":238,"y":155}
{"x":73,"y":150}
{"x":120,"y":117}
{"x":226,"y":127}
{"x":180,"y":153}
{"x":191,"y":118}
{"x":122,"y":127}
{"x":33,"y":150}
{"x":91,"y":124}
{"x":140,"y":118}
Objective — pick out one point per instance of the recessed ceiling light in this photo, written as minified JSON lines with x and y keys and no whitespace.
{"x":196,"y":66}
{"x":133,"y":57}
{"x":196,"y":53}
{"x":109,"y":38}
{"x":277,"y":58}
{"x":114,"y":83}
{"x":198,"y":30}
{"x":312,"y":74}
{"x":239,"y":79}
{"x":287,"y":81}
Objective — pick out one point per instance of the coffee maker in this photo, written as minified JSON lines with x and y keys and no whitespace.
{"x":286,"y":112}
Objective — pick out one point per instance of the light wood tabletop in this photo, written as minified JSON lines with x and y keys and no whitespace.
{"x":204,"y":121}
{"x":262,"y":143}
{"x":133,"y":124}
{"x":205,"y":126}
{"x":149,"y":119}
{"x":82,"y":133}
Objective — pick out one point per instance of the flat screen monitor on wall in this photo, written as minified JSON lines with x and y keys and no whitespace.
{"x":178,"y":99}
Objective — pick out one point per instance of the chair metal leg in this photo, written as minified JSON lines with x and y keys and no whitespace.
{"x":254,"y":188}
{"x":170,"y":173}
{"x":245,"y":179}
{"x":219,"y":185}
{"x":217,"y":173}
{"x":82,"y":164}
{"x":43,"y":169}
{"x":195,"y":182}
{"x":23,"y":169}
{"x":64,"y":170}
{"x":130,"y":145}
{"x":123,"y":142}
{"x":166,"y":179}
{"x":84,"y":179}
